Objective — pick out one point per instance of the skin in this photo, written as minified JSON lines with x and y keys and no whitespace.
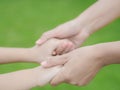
{"x":81,"y":28}
{"x":82,"y":65}
{"x":26,"y":79}
{"x":34,"y":54}
{"x":76,"y":31}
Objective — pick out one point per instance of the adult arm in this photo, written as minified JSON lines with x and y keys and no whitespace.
{"x":82,"y":65}
{"x":98,"y":15}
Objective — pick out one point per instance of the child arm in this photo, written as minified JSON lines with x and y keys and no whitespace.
{"x":34,"y":54}
{"x":26,"y":79}
{"x":14,"y":54}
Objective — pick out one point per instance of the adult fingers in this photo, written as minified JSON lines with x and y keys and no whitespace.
{"x":56,"y":60}
{"x":46,"y":36}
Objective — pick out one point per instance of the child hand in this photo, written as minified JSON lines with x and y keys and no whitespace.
{"x":64,"y":47}
{"x":50,"y":48}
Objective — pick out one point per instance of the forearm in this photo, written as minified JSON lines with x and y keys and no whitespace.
{"x":34,"y":54}
{"x":98,"y":15}
{"x":14,"y":55}
{"x":26,"y":79}
{"x":109,"y":52}
{"x":20,"y":80}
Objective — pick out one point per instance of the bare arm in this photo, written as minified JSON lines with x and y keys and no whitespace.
{"x":26,"y":79}
{"x":99,"y":15}
{"x":14,"y":55}
{"x":34,"y":54}
{"x":84,"y":63}
{"x":109,"y":52}
{"x":79,"y":29}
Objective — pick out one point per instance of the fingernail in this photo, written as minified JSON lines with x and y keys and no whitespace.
{"x":54,"y":53}
{"x":39,"y":41}
{"x":44,"y":63}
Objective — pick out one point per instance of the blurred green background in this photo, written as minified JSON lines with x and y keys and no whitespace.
{"x":23,"y":21}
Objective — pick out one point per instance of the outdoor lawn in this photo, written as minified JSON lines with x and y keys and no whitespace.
{"x":22,"y":22}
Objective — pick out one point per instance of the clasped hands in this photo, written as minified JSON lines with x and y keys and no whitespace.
{"x":80,"y":65}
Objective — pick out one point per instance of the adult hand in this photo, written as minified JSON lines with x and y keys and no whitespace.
{"x":81,"y":65}
{"x":72,"y":31}
{"x":91,"y":20}
{"x":80,"y":68}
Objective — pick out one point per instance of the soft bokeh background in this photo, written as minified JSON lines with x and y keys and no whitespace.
{"x":23,"y":21}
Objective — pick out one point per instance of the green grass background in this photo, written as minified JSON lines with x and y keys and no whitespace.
{"x":23,"y":21}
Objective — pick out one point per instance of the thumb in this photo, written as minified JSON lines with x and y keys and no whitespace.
{"x":56,"y":60}
{"x":46,"y":36}
{"x":59,"y":78}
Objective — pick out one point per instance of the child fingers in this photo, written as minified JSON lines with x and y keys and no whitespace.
{"x":45,"y":36}
{"x":61,"y":48}
{"x":69,"y":48}
{"x":57,"y":60}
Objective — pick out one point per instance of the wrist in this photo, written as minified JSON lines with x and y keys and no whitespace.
{"x":27,"y":54}
{"x":100,"y":55}
{"x":32,"y":54}
{"x":107,"y":53}
{"x":84,"y":25}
